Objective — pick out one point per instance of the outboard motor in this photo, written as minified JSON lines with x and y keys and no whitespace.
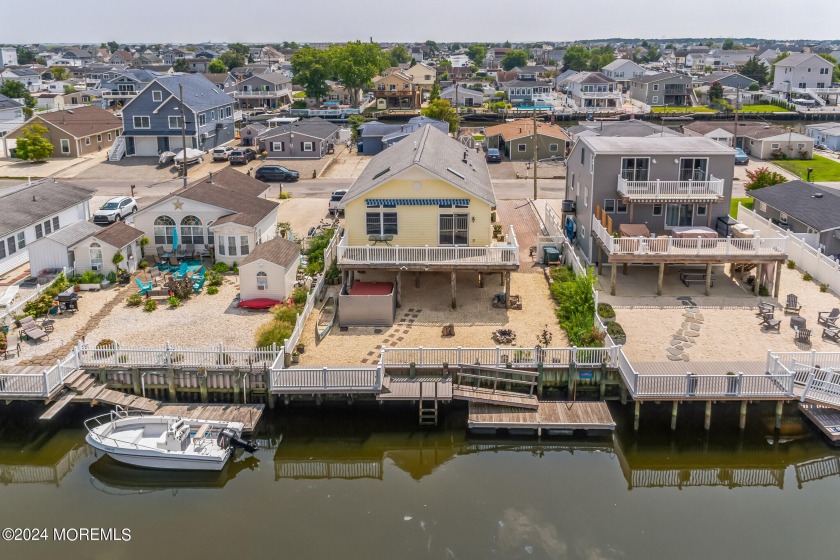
{"x":228,"y":438}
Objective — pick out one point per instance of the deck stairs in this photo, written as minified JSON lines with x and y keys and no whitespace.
{"x":86,"y":389}
{"x":741,"y":268}
{"x":491,"y":385}
{"x":428,"y":404}
{"x":117,"y":151}
{"x":816,"y":97}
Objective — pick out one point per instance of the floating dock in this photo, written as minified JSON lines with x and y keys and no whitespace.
{"x":550,"y":418}
{"x":826,"y":419}
{"x":248,"y":414}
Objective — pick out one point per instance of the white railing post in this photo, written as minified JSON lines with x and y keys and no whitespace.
{"x":458,"y":356}
{"x":420,"y":357}
{"x":46,"y":384}
{"x":168,"y":354}
{"x":324,"y":370}
{"x":807,"y":387}
{"x":116,"y":355}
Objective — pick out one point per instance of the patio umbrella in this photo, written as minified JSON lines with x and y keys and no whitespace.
{"x":175,"y":238}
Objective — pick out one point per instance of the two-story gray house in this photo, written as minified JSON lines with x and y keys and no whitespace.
{"x":665,"y":88}
{"x":152,"y":119}
{"x":270,"y":90}
{"x":660,"y":183}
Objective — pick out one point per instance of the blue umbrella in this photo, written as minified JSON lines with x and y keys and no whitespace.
{"x":175,"y":238}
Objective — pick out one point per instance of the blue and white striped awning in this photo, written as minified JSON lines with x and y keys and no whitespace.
{"x":417,"y":201}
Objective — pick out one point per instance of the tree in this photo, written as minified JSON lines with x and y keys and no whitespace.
{"x":442,"y":110}
{"x":59,"y":72}
{"x":399,"y":55}
{"x":181,"y":65}
{"x":653,"y":53}
{"x":576,"y":58}
{"x":506,"y":45}
{"x":217,"y":67}
{"x":113,"y":46}
{"x":311,"y":69}
{"x":24,"y":55}
{"x":16,"y":90}
{"x":756,"y":70}
{"x":355,"y":121}
{"x":758,"y":179}
{"x":444,"y":63}
{"x":455,"y":47}
{"x":69,"y":89}
{"x":477,"y":53}
{"x":31,"y":144}
{"x":514,"y":58}
{"x":434,"y":94}
{"x":40,"y":60}
{"x":232,"y":59}
{"x":356,"y":64}
{"x":728,"y":45}
{"x":715,"y":92}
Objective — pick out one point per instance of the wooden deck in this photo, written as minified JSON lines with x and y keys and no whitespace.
{"x":557,"y":416}
{"x":248,"y":414}
{"x":407,"y":389}
{"x":491,"y":397}
{"x":826,"y":419}
{"x":700,"y":368}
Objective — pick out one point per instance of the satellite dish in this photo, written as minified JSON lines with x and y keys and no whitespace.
{"x":468,"y":141}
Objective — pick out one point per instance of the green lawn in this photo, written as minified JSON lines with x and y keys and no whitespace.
{"x":762,"y":109}
{"x":698,"y":109}
{"x":299,"y":95}
{"x":824,"y":169}
{"x":733,"y":206}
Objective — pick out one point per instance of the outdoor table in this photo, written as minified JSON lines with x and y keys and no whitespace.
{"x":797,"y":322}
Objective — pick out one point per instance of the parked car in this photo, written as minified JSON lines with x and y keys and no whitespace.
{"x":241,"y":155}
{"x":493,"y":156}
{"x":221,"y":153}
{"x":335,"y":199}
{"x":115,"y":209}
{"x":269,"y":173}
{"x":741,"y":158}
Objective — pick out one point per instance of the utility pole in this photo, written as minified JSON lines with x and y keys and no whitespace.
{"x":535,"y":151}
{"x":457,"y":113}
{"x":737,"y":103}
{"x":183,"y":133}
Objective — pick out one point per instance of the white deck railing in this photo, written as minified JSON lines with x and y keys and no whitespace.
{"x":499,"y":356}
{"x":166,"y":355}
{"x":816,"y":375}
{"x":327,"y":380}
{"x":671,"y":190}
{"x":459,"y":257}
{"x":272,"y":93}
{"x":677,"y":246}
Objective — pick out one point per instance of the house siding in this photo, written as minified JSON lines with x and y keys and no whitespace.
{"x":278,"y":287}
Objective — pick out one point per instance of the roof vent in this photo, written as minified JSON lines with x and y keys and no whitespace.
{"x":33,"y":198}
{"x":815,"y":195}
{"x":455,"y":173}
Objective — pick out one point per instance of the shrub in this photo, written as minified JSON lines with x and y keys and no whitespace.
{"x":615,"y":330}
{"x":58,"y":285}
{"x":90,"y":277}
{"x":807,"y":277}
{"x":332,"y":274}
{"x":39,"y":306}
{"x":561,"y":274}
{"x":791,"y":265}
{"x":823,"y":288}
{"x":173,"y":302}
{"x":235,"y":268}
{"x":285,"y":314}
{"x":315,"y":251}
{"x":214,"y":278}
{"x":284,"y":195}
{"x":606,"y":311}
{"x":212,"y":290}
{"x":763,"y":291}
{"x":150,"y":306}
{"x":134,"y":300}
{"x":576,"y":310}
{"x":299,"y":296}
{"x":273,"y":332}
{"x":221,"y":267}
{"x":3,"y":342}
{"x":143,"y":264}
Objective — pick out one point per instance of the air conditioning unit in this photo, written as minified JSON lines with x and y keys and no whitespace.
{"x":205,"y":135}
{"x":96,"y":267}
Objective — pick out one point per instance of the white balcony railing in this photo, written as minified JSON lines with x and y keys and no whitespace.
{"x":264,"y":94}
{"x":671,"y":190}
{"x":111,"y":94}
{"x":599,"y":94}
{"x":682,"y":247}
{"x":505,"y":254}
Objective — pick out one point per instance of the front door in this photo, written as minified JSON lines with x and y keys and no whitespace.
{"x":163,"y":144}
{"x":129,"y":145}
{"x":679,"y":215}
{"x":454,"y":229}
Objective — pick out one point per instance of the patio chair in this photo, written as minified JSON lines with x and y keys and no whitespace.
{"x":832,"y":333}
{"x":173,"y":262}
{"x":792,"y":304}
{"x":189,"y":251}
{"x":9,"y":296}
{"x":181,"y":252}
{"x":768,"y":321}
{"x":155,"y":274}
{"x":182,"y":271}
{"x":803,"y":336}
{"x":144,"y":286}
{"x":828,"y":318}
{"x":765,"y":308}
{"x":31,"y":330}
{"x":161,"y":252}
{"x":199,"y":284}
{"x":157,"y":260}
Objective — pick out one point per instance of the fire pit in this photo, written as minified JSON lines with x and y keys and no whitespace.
{"x":504,"y":336}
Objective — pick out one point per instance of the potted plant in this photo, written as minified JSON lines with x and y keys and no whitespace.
{"x":300,"y":348}
{"x":295,"y":357}
{"x":3,"y":343}
{"x":616,"y":332}
{"x":90,"y":281}
{"x":143,"y":242}
{"x":606,"y":312}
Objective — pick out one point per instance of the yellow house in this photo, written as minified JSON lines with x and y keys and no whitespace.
{"x":424,"y":204}
{"x":396,"y":91}
{"x":424,"y":76}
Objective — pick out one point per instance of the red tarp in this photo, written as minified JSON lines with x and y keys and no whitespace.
{"x":372,"y":289}
{"x":259,"y":303}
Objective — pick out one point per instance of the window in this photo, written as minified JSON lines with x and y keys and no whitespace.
{"x":823,"y":70}
{"x":783,"y":217}
{"x":175,"y":121}
{"x":654,"y":99}
{"x":802,"y":85}
{"x":657,"y":209}
{"x":2,"y":250}
{"x":701,"y":209}
{"x":693,"y":169}
{"x":655,"y":87}
{"x":262,"y":280}
{"x":609,"y":205}
{"x":635,"y":169}
{"x":277,"y":146}
{"x":192,"y":231}
{"x":11,"y":243}
{"x":762,"y":206}
{"x":47,"y":227}
{"x":163,"y":228}
{"x":213,"y":115}
{"x":65,"y":146}
{"x":307,"y":146}
{"x":202,"y":119}
{"x":55,"y":223}
{"x":227,"y":111}
{"x":800,"y":146}
{"x":157,"y":96}
{"x":678,"y":215}
{"x":520,"y":147}
{"x":775,"y":146}
{"x":39,"y":231}
{"x":96,"y":260}
{"x":87,"y":140}
{"x":454,"y":229}
{"x":231,"y":245}
{"x":21,"y":240}
{"x":381,"y":223}
{"x":99,"y":138}
{"x":221,"y":244}
{"x":586,"y":196}
{"x":582,"y":154}
{"x":109,"y":137}
{"x":243,"y":245}
{"x":553,"y":147}
{"x":142,"y":122}
{"x":210,"y":237}
{"x":620,"y":207}
{"x":592,"y":163}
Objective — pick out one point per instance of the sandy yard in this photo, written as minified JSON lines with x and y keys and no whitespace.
{"x":302,"y":214}
{"x":200,"y":322}
{"x":425,"y":310}
{"x":730,"y":328}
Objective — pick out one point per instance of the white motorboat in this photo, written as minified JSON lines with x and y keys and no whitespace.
{"x":165,"y":442}
{"x":192,"y":156}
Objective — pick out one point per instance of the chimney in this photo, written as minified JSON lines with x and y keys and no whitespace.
{"x":33,"y":198}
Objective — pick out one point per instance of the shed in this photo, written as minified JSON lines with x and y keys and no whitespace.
{"x":96,"y":252}
{"x":367,"y":304}
{"x":270,"y":270}
{"x":53,"y":251}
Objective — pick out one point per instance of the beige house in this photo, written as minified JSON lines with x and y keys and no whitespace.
{"x":424,"y":76}
{"x":396,"y":91}
{"x":76,"y":132}
{"x":270,"y":271}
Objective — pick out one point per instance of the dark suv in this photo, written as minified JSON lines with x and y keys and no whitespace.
{"x":241,"y":155}
{"x":269,"y":173}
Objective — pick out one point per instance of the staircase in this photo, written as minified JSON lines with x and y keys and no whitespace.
{"x":741,"y":268}
{"x":117,"y":151}
{"x":816,"y":97}
{"x":693,"y":97}
{"x":86,"y":389}
{"x":428,"y":412}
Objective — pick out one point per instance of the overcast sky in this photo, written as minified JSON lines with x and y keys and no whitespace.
{"x":156,"y":21}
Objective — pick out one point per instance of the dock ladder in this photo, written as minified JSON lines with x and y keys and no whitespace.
{"x":428,"y":412}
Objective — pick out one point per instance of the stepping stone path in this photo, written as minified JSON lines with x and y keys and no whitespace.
{"x":395,"y":336}
{"x":686,"y":336}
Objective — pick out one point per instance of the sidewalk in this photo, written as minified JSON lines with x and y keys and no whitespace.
{"x":54,"y":167}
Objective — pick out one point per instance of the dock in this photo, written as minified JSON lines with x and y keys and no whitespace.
{"x":248,"y":414}
{"x":425,"y":387}
{"x":550,"y":418}
{"x":826,"y":420}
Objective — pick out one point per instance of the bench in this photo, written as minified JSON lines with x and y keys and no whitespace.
{"x":689,"y":277}
{"x":202,"y":431}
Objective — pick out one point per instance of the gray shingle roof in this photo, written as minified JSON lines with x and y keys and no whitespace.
{"x":18,"y":210}
{"x":8,"y":103}
{"x":74,"y":233}
{"x":199,"y":93}
{"x":315,"y":127}
{"x":796,"y":199}
{"x":659,"y":77}
{"x":437,"y":153}
{"x":119,"y":234}
{"x":688,"y":145}
{"x":278,"y":251}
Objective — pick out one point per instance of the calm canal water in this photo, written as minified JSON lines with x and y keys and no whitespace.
{"x":365,"y":482}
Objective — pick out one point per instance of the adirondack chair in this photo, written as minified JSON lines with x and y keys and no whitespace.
{"x":828,"y":318}
{"x":768,"y":321}
{"x":765,"y":308}
{"x":803,"y":336}
{"x":792,"y":304}
{"x":155,"y":274}
{"x":9,"y":296}
{"x":182,"y":271}
{"x":199,"y":284}
{"x":144,"y":286}
{"x":832,"y":333}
